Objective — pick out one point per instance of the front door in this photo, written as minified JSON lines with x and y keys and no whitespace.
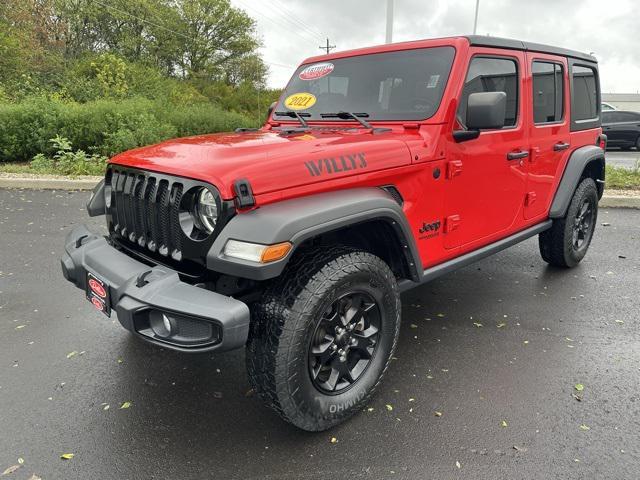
{"x":548,"y":131}
{"x":486,"y":176}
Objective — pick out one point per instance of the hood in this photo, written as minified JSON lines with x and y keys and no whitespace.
{"x":272,"y":160}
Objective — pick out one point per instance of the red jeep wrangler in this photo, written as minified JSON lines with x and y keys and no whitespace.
{"x":379,"y":169}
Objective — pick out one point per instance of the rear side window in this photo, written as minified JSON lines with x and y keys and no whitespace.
{"x":489,"y":74}
{"x":548,"y":92}
{"x":585,"y":94}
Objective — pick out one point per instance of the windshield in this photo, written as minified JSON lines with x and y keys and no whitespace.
{"x":399,"y":85}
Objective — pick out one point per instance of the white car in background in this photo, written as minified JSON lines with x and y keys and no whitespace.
{"x":607,"y":107}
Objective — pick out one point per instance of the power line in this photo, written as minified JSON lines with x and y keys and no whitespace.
{"x":298,"y":20}
{"x":328,"y":48}
{"x":115,"y":9}
{"x":281,"y":23}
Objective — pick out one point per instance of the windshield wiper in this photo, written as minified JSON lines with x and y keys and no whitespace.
{"x":349,"y":115}
{"x":296,"y":115}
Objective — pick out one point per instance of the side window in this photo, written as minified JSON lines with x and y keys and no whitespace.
{"x":489,"y":74}
{"x":585,"y":94}
{"x":548,"y":92}
{"x":608,"y":117}
{"x":628,"y":117}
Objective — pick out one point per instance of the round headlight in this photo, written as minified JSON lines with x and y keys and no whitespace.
{"x":206,"y":210}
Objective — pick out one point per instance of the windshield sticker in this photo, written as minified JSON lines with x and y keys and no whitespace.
{"x":319,"y":70}
{"x":433,"y":81}
{"x":300,"y":101}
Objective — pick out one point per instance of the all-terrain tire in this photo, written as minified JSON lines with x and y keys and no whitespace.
{"x":288,"y":316}
{"x":559,"y":245}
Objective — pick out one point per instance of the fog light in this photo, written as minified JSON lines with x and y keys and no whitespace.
{"x":161,"y":324}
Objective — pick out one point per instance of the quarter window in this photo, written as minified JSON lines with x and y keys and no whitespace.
{"x":585,"y":94}
{"x":548,"y":92}
{"x":488,"y":74}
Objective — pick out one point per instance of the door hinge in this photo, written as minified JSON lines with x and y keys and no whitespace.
{"x":530,"y":199}
{"x":454,"y":168}
{"x":451,"y":223}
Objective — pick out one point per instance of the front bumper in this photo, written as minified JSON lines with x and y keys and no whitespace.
{"x":136,"y":290}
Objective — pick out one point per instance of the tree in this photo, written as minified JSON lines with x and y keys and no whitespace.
{"x":214,"y":33}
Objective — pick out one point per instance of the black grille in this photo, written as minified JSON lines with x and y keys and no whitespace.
{"x":145,"y":210}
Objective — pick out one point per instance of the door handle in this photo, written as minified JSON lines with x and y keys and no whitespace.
{"x":517,"y":155}
{"x":560,"y":146}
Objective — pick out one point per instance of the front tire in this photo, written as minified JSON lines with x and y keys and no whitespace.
{"x":323,"y":335}
{"x":566,"y":243}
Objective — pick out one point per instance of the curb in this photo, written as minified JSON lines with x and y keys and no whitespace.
{"x":619,"y":201}
{"x":609,"y":200}
{"x":48,"y":183}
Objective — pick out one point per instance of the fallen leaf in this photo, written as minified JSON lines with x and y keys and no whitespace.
{"x":389,"y":407}
{"x":478,"y":324}
{"x":106,"y":407}
{"x":620,"y":322}
{"x":370,"y":409}
{"x":526,"y":342}
{"x":605,"y":224}
{"x":577,"y":397}
{"x":72,"y":354}
{"x":504,"y":424}
{"x":120,"y":360}
{"x":21,"y":461}
{"x":11,"y":469}
{"x":519,"y":449}
{"x":125,"y":405}
{"x":67,"y":456}
{"x":500,"y":325}
{"x":20,"y":326}
{"x":412,"y":399}
{"x":584,"y":427}
{"x":441,"y":315}
{"x":458,"y":464}
{"x":437,"y":414}
{"x":334,"y":440}
{"x":579,"y":387}
{"x":413,"y":325}
{"x":34,"y":477}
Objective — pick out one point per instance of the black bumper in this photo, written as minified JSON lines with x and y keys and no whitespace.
{"x":136,"y":289}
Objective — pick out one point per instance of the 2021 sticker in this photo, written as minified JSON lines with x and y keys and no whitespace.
{"x":300,"y":101}
{"x":319,"y":70}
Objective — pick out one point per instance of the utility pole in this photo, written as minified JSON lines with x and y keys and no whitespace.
{"x":389,"y":34}
{"x":475,"y":22}
{"x":328,"y":48}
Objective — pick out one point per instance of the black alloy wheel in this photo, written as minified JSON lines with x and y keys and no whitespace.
{"x":583,"y":225}
{"x":344,"y":342}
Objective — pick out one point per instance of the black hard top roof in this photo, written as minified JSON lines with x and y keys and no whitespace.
{"x":497,"y":42}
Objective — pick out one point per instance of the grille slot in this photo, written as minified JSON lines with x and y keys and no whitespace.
{"x":145,"y":211}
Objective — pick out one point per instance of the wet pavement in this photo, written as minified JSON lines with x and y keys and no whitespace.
{"x":496,"y":348}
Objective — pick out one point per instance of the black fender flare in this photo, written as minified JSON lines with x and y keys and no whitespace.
{"x":300,"y":219}
{"x":578,"y":162}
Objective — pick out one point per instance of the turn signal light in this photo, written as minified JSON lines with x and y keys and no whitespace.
{"x":275,"y":252}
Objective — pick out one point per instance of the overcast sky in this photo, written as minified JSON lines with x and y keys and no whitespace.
{"x":292,"y":30}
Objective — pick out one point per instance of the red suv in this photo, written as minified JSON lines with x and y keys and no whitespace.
{"x":379,"y":169}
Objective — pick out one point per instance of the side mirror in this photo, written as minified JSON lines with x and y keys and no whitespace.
{"x":485,"y":110}
{"x":271,"y":109}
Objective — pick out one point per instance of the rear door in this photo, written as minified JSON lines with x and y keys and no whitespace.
{"x":486,"y":176}
{"x":548,"y":123}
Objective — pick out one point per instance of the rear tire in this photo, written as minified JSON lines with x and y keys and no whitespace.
{"x":566,"y":243}
{"x":323,"y":335}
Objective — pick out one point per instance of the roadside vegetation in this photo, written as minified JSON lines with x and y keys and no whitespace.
{"x":101,"y":77}
{"x":619,"y":178}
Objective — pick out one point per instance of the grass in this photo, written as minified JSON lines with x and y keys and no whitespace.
{"x":617,"y":178}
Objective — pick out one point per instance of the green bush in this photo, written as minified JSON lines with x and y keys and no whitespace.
{"x":105,"y":127}
{"x":68,"y":162}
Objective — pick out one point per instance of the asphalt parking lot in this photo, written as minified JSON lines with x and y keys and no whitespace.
{"x":483,"y":385}
{"x":623,"y":158}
